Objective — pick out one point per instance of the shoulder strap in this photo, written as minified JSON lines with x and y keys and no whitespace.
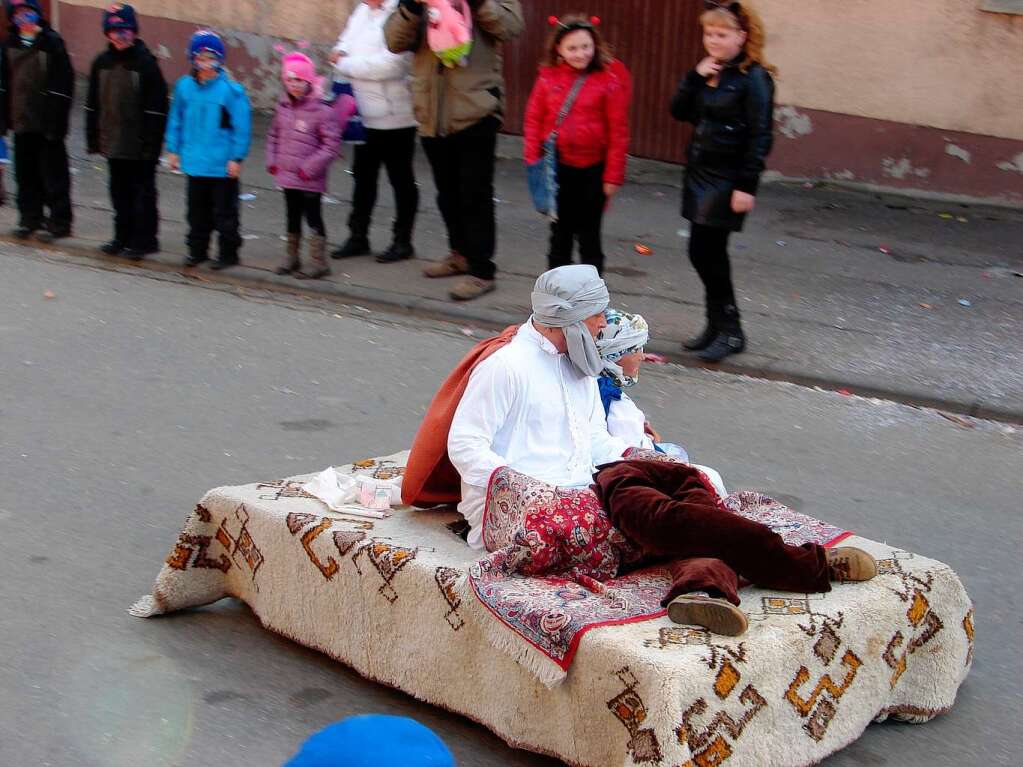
{"x":566,"y":105}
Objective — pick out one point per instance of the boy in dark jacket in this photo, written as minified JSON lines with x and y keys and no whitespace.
{"x":125,"y":117}
{"x":36,"y":87}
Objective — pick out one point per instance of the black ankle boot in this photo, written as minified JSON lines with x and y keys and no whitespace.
{"x":356,"y":245}
{"x":729,"y":339}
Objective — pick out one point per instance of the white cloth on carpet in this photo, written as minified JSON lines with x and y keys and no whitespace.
{"x":626,"y":421}
{"x":527,"y":407}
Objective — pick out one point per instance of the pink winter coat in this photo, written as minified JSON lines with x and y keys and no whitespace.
{"x":304,"y":135}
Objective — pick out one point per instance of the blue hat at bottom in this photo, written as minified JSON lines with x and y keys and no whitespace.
{"x":373,"y":740}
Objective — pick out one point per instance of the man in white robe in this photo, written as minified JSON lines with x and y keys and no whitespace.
{"x":533,"y":405}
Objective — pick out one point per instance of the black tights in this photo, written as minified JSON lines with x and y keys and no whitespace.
{"x":309,"y":204}
{"x":708,"y":252}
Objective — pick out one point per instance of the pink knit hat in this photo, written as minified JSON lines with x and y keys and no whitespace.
{"x":299,"y":66}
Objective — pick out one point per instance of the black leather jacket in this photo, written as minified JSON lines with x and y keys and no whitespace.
{"x":733,"y":122}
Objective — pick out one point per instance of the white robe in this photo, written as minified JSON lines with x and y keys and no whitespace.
{"x":527,"y":407}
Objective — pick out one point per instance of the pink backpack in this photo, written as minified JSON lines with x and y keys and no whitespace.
{"x":449,"y":30}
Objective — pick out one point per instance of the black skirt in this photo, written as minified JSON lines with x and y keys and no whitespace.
{"x":707,"y":198}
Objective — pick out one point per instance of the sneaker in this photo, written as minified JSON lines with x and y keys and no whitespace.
{"x":719,"y":616}
{"x":468,"y":288}
{"x":848,"y":563}
{"x":195,"y":260}
{"x":452,"y":266}
{"x":51,"y":235}
{"x":111,"y":248}
{"x":398,"y":251}
{"x":23,"y":232}
{"x":353,"y":246}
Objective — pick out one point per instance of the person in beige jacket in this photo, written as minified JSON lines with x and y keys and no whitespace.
{"x":460,"y":110}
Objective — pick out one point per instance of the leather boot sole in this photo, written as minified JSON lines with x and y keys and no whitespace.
{"x":716,"y":615}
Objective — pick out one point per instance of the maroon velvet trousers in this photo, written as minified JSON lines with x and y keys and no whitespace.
{"x":674,"y":517}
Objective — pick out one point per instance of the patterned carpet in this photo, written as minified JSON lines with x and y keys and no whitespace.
{"x":384,"y":597}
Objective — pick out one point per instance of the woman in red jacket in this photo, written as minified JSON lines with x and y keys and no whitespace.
{"x":592,"y":139}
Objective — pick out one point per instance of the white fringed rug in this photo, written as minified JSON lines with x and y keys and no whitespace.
{"x":381,"y":596}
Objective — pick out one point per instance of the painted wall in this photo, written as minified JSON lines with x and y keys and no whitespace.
{"x":251,"y":57}
{"x":937,"y":63}
{"x":318,"y":22}
{"x":918,"y":94}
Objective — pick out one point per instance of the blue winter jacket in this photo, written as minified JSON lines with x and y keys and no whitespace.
{"x":209,"y":125}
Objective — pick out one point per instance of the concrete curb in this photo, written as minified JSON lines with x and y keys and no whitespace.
{"x":252,"y":277}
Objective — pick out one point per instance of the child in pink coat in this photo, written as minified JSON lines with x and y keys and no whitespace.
{"x":303,"y":141}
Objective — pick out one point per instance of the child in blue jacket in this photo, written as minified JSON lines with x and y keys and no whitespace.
{"x":208,"y":134}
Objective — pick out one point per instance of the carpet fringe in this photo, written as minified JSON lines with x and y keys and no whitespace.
{"x":507,"y":641}
{"x":146,"y":607}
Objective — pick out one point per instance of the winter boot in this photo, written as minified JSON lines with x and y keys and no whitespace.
{"x":290,"y":263}
{"x":730,"y":338}
{"x":317,"y":258}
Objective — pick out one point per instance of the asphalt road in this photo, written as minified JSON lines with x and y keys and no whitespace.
{"x":126,"y":395}
{"x":915,"y":300}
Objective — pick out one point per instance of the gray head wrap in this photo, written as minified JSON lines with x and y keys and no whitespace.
{"x":563,"y":298}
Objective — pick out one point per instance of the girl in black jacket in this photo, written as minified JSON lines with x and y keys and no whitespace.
{"x":729,"y":98}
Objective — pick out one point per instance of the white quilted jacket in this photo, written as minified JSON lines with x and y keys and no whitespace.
{"x":379,"y":78}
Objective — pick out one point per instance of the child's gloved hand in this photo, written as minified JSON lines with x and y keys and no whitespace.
{"x":303,"y":175}
{"x":271,"y":169}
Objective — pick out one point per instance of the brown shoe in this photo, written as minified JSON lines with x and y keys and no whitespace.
{"x":718,"y":616}
{"x":848,"y":563}
{"x":468,"y":288}
{"x":452,"y":266}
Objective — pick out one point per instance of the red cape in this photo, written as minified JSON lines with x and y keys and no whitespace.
{"x":429,"y":476}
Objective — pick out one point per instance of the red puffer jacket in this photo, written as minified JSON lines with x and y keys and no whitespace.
{"x":597,"y":127}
